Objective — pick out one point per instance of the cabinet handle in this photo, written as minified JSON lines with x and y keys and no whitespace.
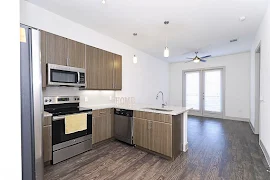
{"x":50,"y":132}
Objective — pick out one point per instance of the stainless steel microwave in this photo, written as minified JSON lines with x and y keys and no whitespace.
{"x":58,"y":75}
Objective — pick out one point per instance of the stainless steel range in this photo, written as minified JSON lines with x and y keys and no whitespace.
{"x":68,"y":144}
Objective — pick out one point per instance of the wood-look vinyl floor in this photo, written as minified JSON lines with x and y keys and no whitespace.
{"x":218,"y":150}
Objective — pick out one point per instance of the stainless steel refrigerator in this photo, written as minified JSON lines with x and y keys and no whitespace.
{"x":31,"y":104}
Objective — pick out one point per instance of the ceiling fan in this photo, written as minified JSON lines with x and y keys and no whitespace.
{"x":197,"y":59}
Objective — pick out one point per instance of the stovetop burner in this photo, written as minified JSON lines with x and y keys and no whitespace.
{"x":63,"y":105}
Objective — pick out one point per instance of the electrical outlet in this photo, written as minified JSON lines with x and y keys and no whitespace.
{"x":85,"y":99}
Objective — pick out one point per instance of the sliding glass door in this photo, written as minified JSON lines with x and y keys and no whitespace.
{"x":203,"y":92}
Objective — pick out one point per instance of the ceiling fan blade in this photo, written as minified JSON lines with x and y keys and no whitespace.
{"x":188,"y":61}
{"x":206,"y":56}
{"x":202,"y":60}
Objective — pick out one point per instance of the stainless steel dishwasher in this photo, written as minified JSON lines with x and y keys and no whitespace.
{"x":123,"y":125}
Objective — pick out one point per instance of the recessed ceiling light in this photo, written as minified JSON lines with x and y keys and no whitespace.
{"x":103,"y":1}
{"x":135,"y":34}
{"x":242,"y":18}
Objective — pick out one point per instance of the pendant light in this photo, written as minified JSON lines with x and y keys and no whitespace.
{"x":166,"y":50}
{"x":135,"y":59}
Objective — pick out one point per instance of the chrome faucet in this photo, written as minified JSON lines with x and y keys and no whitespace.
{"x":163,"y":104}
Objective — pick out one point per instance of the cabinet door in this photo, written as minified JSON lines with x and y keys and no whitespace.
{"x":96,"y":129}
{"x":93,"y":130}
{"x":102,"y":69}
{"x":47,"y":143}
{"x":108,"y":126}
{"x":112,"y":122}
{"x":160,"y":138}
{"x":140,"y":132}
{"x":43,"y":58}
{"x":92,"y":67}
{"x":117,"y":72}
{"x":99,"y":129}
{"x":56,"y":48}
{"x":109,"y":68}
{"x":76,"y":54}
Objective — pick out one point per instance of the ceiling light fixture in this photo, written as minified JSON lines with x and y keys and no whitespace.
{"x":166,"y":50}
{"x":103,"y":1}
{"x":135,"y":59}
{"x":196,"y":60}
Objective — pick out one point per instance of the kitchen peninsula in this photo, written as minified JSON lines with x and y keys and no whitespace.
{"x":158,"y":130}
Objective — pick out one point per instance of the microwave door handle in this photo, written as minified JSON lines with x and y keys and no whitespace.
{"x":78,"y":77}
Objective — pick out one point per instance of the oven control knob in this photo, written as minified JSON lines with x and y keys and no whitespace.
{"x":46,"y":100}
{"x":50,"y":100}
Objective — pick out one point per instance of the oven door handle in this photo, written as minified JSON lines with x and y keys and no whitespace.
{"x":56,"y":118}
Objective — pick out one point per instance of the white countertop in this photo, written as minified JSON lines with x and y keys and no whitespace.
{"x":176,"y":110}
{"x":46,"y":114}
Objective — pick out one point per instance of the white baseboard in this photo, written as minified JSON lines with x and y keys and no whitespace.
{"x":225,"y":118}
{"x":236,"y":118}
{"x":267,"y":157}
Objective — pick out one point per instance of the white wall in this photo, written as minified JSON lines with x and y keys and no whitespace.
{"x":237,"y":83}
{"x":94,"y":97}
{"x":10,"y":129}
{"x":142,"y":80}
{"x":263,"y":36}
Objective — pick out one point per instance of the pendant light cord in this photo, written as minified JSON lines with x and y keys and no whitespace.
{"x":166,"y":37}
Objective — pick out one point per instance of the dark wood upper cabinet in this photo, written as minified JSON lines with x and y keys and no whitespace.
{"x":92,"y":68}
{"x":117,"y":72}
{"x":76,"y":54}
{"x":56,"y":49}
{"x":103,"y":69}
{"x":109,"y":69}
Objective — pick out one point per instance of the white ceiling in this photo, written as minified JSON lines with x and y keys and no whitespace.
{"x":204,"y":25}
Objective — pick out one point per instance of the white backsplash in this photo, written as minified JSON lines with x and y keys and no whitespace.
{"x":88,"y":97}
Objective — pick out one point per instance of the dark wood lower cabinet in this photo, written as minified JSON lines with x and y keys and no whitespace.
{"x":152,"y":132}
{"x":141,"y":134}
{"x":102,"y":126}
{"x":47,"y":143}
{"x":47,"y":138}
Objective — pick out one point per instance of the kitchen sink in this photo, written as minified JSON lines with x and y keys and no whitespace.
{"x":157,"y":109}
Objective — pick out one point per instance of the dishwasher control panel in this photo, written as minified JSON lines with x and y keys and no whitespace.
{"x":123,"y":112}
